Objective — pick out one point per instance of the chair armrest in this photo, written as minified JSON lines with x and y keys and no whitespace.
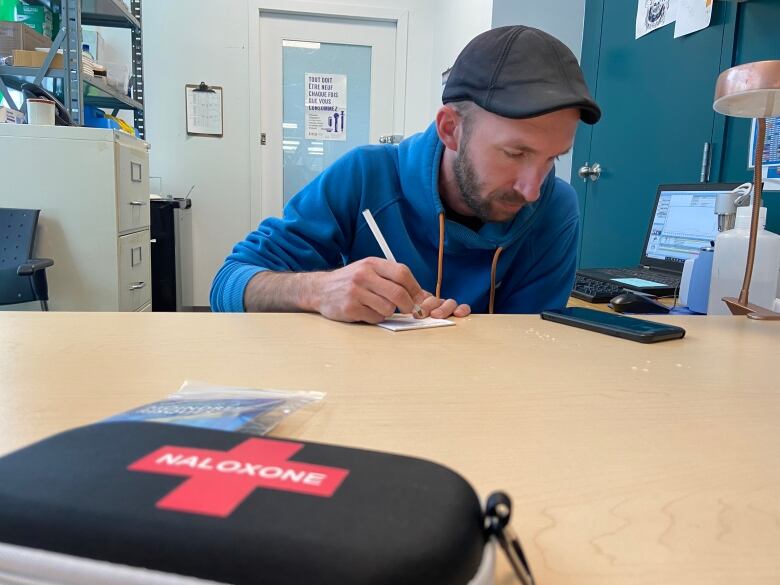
{"x":33,"y":265}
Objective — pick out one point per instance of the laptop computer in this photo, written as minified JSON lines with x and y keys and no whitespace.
{"x":683,"y":222}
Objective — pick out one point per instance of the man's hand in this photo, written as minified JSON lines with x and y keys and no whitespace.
{"x":369,"y":290}
{"x":443,"y":308}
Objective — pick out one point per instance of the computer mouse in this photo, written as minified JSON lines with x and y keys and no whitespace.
{"x":634,"y":302}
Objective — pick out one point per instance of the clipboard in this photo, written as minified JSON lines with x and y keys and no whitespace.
{"x":204,"y":110}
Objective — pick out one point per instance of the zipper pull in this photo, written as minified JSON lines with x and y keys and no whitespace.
{"x":498,"y":511}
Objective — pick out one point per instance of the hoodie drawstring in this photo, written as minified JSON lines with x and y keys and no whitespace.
{"x":440,"y":272}
{"x":493,"y":278}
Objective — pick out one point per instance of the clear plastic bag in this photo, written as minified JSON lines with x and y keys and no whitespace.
{"x":247,"y":410}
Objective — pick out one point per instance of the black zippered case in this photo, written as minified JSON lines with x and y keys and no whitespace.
{"x":159,"y":503}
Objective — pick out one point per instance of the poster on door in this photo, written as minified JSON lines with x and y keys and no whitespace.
{"x":326,"y":106}
{"x":692,"y":16}
{"x":654,"y":14}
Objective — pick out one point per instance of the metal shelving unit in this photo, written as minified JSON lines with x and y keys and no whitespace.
{"x":106,"y":96}
{"x":79,"y":89}
{"x":109,"y":13}
{"x":27,"y":73}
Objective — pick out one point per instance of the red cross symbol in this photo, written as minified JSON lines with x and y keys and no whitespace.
{"x":218,"y":481}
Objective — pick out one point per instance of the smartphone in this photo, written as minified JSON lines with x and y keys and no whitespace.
{"x":614,"y":324}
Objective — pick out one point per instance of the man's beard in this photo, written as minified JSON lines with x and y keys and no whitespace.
{"x":470,"y":187}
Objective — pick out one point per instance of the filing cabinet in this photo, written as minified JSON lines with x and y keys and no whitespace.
{"x":92,"y":187}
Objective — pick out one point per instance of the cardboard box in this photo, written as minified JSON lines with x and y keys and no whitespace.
{"x":36,"y":59}
{"x":15,"y":35}
{"x":9,"y":116}
{"x":38,"y":18}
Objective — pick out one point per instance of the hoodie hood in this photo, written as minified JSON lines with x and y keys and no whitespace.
{"x":419,"y":162}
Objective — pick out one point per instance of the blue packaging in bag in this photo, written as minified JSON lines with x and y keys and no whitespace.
{"x":248,"y":410}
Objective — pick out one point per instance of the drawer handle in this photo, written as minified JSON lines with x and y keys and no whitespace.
{"x":133,"y":259}
{"x":135,"y":172}
{"x":136,"y":203}
{"x":137,"y":285}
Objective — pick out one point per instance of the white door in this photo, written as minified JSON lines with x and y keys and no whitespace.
{"x":327,"y":85}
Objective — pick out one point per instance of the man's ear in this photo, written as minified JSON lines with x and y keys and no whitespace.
{"x":449,"y":127}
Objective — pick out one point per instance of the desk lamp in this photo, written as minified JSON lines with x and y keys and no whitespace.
{"x":751,"y":90}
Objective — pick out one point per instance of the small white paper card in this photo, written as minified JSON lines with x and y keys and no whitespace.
{"x":401,"y":322}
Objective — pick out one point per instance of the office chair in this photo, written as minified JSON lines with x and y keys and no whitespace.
{"x":22,"y":278}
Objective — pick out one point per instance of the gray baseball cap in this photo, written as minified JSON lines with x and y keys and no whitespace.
{"x":520,"y":72}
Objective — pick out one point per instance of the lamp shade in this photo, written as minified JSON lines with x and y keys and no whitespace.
{"x":751,"y":90}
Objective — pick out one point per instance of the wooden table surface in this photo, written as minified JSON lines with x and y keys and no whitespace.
{"x":628,"y":463}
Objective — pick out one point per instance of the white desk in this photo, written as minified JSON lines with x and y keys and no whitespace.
{"x":628,"y":464}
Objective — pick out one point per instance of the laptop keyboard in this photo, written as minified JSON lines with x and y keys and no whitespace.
{"x":594,"y":291}
{"x":667,"y":279}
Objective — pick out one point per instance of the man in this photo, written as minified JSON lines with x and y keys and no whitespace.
{"x":470,"y":208}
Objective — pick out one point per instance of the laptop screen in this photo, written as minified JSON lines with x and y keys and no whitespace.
{"x":684,"y":221}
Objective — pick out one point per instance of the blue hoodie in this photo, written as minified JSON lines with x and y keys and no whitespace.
{"x":323,"y":229}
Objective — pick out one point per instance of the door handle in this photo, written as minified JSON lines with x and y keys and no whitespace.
{"x":590,"y":172}
{"x":391,"y":138}
{"x":706,"y":161}
{"x":137,"y":285}
{"x":136,"y":203}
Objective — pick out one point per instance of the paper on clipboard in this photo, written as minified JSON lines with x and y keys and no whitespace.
{"x":204,"y":110}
